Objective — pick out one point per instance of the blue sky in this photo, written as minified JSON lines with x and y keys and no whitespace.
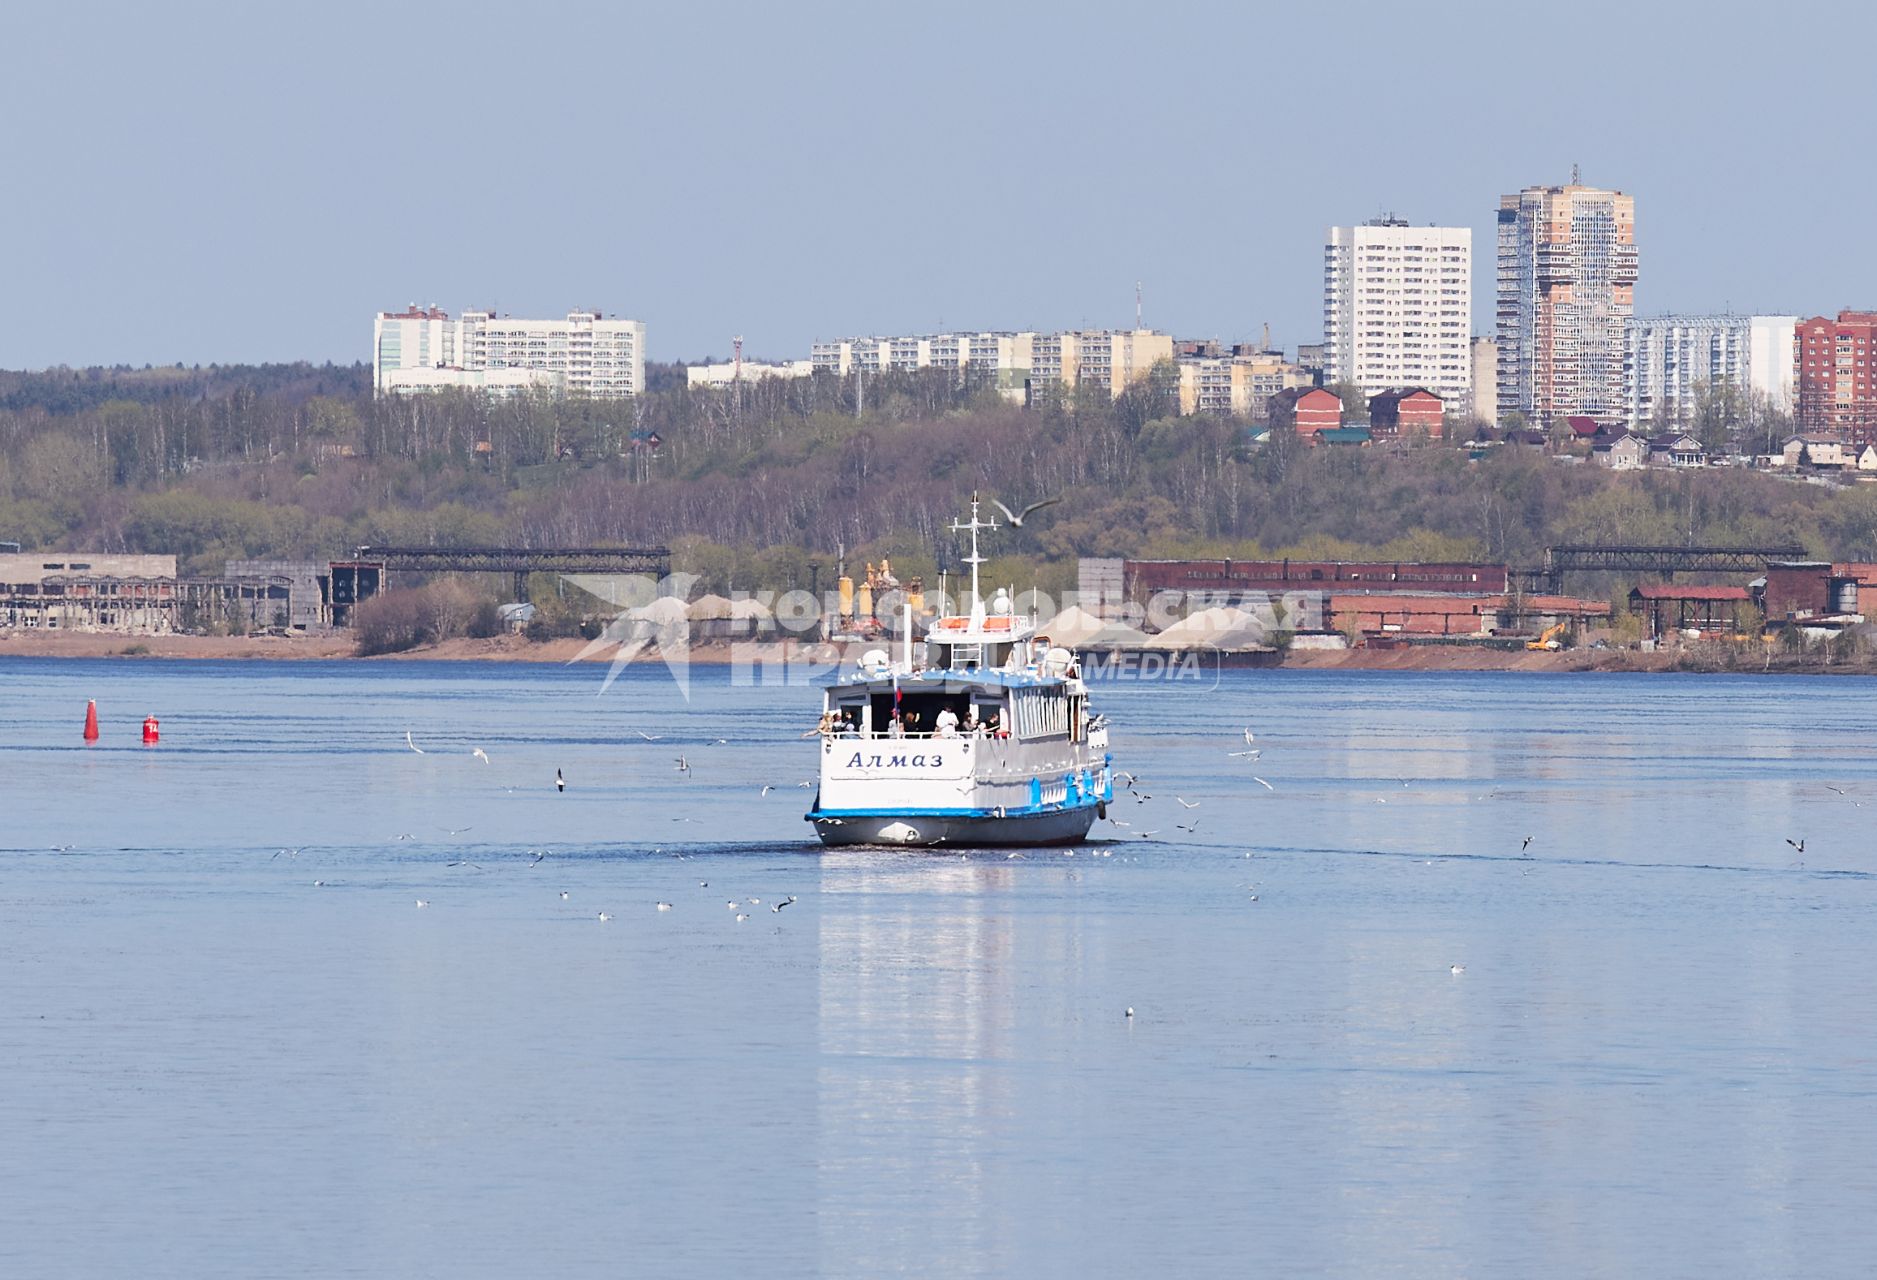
{"x":250,"y":182}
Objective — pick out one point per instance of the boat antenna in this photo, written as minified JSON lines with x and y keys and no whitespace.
{"x":974,"y":559}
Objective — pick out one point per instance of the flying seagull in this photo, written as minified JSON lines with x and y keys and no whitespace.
{"x":785,"y":902}
{"x":560,"y":783}
{"x":1261,"y":782}
{"x":412,"y":745}
{"x":1190,"y":804}
{"x":766,"y":790}
{"x":1797,"y":844}
{"x":649,"y":737}
{"x":1016,"y":517}
{"x":684,"y":766}
{"x":1528,"y":844}
{"x":480,"y":754}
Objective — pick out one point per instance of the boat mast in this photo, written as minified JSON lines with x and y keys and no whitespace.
{"x":974,"y":559}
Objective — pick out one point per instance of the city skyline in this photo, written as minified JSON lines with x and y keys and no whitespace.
{"x":786,"y":179}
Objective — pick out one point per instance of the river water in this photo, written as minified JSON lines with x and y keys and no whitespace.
{"x":223,"y":1058}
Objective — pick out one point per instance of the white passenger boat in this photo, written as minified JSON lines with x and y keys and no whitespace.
{"x":988,"y":740}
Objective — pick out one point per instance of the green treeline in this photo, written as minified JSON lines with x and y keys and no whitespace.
{"x":750,"y":485}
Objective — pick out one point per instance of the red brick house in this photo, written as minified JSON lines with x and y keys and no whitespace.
{"x":1405,"y":412}
{"x":1309,"y":411}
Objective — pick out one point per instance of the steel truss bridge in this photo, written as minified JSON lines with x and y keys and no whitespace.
{"x":520,"y":561}
{"x":1589,"y":558}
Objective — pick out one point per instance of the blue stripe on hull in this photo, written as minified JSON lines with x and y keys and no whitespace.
{"x":956,"y":828}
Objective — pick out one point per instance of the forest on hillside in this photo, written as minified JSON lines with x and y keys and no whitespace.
{"x":750,"y":485}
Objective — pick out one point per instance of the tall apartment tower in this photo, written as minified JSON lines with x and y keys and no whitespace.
{"x":1835,"y":369}
{"x":1567,"y":287}
{"x":1398,"y":308}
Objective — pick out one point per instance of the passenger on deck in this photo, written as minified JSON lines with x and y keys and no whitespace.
{"x":972,"y":727}
{"x":946,"y":726}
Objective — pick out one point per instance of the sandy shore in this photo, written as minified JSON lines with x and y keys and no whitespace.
{"x":514,"y":648}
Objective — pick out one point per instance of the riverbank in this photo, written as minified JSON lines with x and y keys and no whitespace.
{"x":515,"y":648}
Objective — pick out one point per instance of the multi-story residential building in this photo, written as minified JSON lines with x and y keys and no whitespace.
{"x":1013,"y":362}
{"x":1668,"y":360}
{"x":1398,"y":307}
{"x":1567,"y":286}
{"x":1833,"y":366}
{"x":723,"y":375}
{"x":1239,"y":385}
{"x":1486,"y":381}
{"x":586,"y":354}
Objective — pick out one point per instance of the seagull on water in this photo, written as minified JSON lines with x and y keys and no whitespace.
{"x":1016,"y":518}
{"x":412,"y":745}
{"x":664,"y":906}
{"x":1457,"y":970}
{"x":604,"y":917}
{"x":422,"y":903}
{"x":1129,"y":1013}
{"x":741,"y":916}
{"x":563,"y":895}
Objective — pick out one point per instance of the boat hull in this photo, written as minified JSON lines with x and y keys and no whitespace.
{"x":1068,"y":825}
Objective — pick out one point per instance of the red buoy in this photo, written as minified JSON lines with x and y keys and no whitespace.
{"x":150,"y":734}
{"x":91,"y":720}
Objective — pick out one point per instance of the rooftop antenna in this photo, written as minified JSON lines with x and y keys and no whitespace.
{"x":737,"y":344}
{"x":1267,"y":337}
{"x":1575,"y":182}
{"x":1137,"y":305}
{"x":974,"y":559}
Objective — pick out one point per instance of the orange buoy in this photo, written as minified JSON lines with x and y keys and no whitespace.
{"x":150,"y":734}
{"x":91,"y":720}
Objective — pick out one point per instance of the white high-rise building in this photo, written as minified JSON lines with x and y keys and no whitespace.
{"x":1398,"y":308}
{"x":1667,"y":360}
{"x":586,"y":354}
